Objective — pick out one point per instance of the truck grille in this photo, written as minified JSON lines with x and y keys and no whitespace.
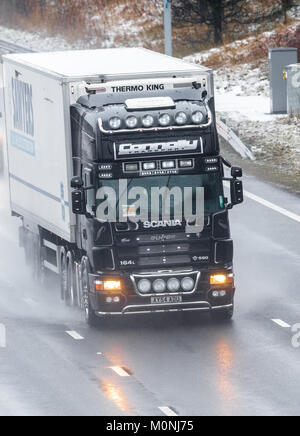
{"x":135,"y":249}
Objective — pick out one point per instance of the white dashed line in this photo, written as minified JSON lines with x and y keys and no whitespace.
{"x":2,"y":336}
{"x":75,"y":335}
{"x":120,"y":371}
{"x":273,"y":206}
{"x":167,"y":411}
{"x":281,"y":323}
{"x":99,"y":354}
{"x":30,"y":302}
{"x":270,"y":205}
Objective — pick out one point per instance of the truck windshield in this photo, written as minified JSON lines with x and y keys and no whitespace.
{"x":212,"y":184}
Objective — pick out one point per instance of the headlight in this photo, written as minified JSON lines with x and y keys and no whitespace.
{"x":112,"y":285}
{"x":115,"y":123}
{"x":181,"y":118}
{"x":173,"y":285}
{"x":159,"y":286}
{"x":164,"y":120}
{"x":197,"y":117}
{"x":188,"y":284}
{"x":144,"y":286}
{"x":148,"y":121}
{"x":218,"y":279}
{"x":131,"y":122}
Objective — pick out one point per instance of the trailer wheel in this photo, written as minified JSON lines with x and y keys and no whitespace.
{"x":70,"y":288}
{"x":90,"y":316}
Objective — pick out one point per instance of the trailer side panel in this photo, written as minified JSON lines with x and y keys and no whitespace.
{"x":38,"y":153}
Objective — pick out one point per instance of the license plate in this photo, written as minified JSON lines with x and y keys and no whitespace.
{"x":166,"y":300}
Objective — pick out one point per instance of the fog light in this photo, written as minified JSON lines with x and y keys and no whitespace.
{"x":168,"y":164}
{"x":218,"y":279}
{"x":159,"y":286}
{"x":148,"y":121}
{"x":116,"y":299}
{"x":149,"y":166}
{"x":181,"y":118}
{"x":197,"y":117}
{"x":173,"y":285}
{"x":108,"y":300}
{"x":186,"y":163}
{"x":112,"y":285}
{"x":188,"y":284}
{"x":132,"y":167}
{"x":219,"y":294}
{"x":164,"y":120}
{"x":131,"y":122}
{"x":115,"y":123}
{"x":144,"y":286}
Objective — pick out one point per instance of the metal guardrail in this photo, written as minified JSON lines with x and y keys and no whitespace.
{"x":234,"y":140}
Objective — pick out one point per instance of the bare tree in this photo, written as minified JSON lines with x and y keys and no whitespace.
{"x":214,"y":13}
{"x":285,"y":6}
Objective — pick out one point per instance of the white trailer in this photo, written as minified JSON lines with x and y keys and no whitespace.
{"x":39,"y":89}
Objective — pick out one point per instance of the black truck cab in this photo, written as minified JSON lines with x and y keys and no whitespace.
{"x":138,"y":264}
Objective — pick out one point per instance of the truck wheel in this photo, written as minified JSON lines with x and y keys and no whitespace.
{"x":222,"y":314}
{"x":90,"y":316}
{"x":70,"y":286}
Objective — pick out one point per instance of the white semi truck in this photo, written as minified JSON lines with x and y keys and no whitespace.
{"x":78,"y":121}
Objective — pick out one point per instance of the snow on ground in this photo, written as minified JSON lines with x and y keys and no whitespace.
{"x":295,"y":12}
{"x":242,"y":100}
{"x":34,"y":41}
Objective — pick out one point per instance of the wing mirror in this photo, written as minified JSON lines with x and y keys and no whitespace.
{"x":78,"y":196}
{"x":236,"y":187}
{"x":237,"y":192}
{"x":78,"y":202}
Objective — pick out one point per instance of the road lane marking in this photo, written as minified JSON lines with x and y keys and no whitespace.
{"x":281,"y":323}
{"x":99,"y":354}
{"x":270,"y":205}
{"x":120,"y":371}
{"x":273,"y":206}
{"x":30,"y":302}
{"x":2,"y":336}
{"x":167,"y":411}
{"x":75,"y":335}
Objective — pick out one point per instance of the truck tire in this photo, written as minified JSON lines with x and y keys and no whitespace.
{"x":223,"y":314}
{"x":70,"y":288}
{"x":90,"y":316}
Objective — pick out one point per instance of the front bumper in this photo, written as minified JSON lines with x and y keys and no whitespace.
{"x":149,"y":309}
{"x":131,"y":303}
